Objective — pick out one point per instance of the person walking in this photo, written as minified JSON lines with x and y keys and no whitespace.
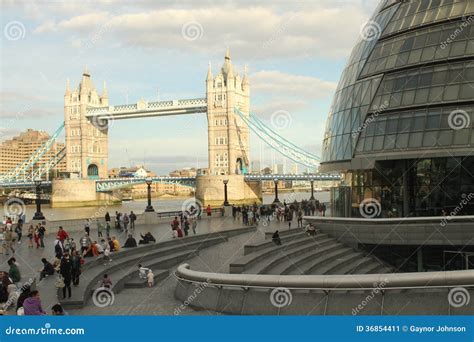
{"x":41,"y":233}
{"x":65,"y":269}
{"x":62,"y":235}
{"x":19,"y":230}
{"x":208,"y":210}
{"x":150,"y":278}
{"x":186,"y":226}
{"x":107,"y":218}
{"x":194,"y":225}
{"x":300,"y":219}
{"x":126,"y":221}
{"x":99,"y":229}
{"x":14,"y":272}
{"x":76,"y":263}
{"x":87,"y":227}
{"x":31,"y":232}
{"x":8,"y":241}
{"x":132,"y":218}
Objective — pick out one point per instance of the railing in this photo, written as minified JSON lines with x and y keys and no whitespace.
{"x":165,"y":214}
{"x":354,"y":282}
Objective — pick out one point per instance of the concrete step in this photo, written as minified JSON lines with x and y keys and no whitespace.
{"x":341,"y":260}
{"x":285,"y":239}
{"x":370,"y":268}
{"x":308,"y":267}
{"x":243,"y":263}
{"x":125,"y":265}
{"x":286,"y":257}
{"x":379,"y":268}
{"x":285,"y":267}
{"x":136,"y":282}
{"x":352,"y":266}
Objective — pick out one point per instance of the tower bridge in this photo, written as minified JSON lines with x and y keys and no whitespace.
{"x":87,"y":114}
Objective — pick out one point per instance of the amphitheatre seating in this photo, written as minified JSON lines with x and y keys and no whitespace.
{"x":160,"y":257}
{"x":303,"y":254}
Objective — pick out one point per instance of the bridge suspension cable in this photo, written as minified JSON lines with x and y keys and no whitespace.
{"x":277,"y":142}
{"x":22,"y":168}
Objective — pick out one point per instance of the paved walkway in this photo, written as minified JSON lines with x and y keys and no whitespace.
{"x":157,"y":300}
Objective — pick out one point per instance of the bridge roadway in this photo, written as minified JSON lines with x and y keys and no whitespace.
{"x":104,"y":185}
{"x":143,"y":109}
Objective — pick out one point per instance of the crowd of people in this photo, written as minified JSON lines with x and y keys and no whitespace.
{"x":69,"y":256}
{"x":281,"y":212}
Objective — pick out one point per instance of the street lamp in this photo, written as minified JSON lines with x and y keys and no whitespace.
{"x":276,"y":200}
{"x":149,"y":207}
{"x":38,"y":215}
{"x":312,"y":190}
{"x":225,"y":181}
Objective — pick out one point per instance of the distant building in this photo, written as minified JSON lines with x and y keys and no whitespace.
{"x":16,"y":150}
{"x":294,"y":169}
{"x":136,"y":171}
{"x":280,"y":169}
{"x":255,"y":167}
{"x":186,"y":172}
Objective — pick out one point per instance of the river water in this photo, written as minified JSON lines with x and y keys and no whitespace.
{"x":160,"y":205}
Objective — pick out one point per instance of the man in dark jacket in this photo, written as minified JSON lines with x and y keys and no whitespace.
{"x":130,"y":242}
{"x":66,"y":273}
{"x":14,"y":272}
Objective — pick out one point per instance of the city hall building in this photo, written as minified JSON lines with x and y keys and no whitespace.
{"x":401,"y":125}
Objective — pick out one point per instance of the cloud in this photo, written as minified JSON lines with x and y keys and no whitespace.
{"x":280,"y":83}
{"x":255,"y":31}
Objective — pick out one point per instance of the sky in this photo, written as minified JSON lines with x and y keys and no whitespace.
{"x":295,"y":52}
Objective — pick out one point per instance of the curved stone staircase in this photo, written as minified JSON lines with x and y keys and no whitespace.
{"x":302,"y":254}
{"x":160,"y":257}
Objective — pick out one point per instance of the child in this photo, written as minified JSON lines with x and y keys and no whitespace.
{"x":107,"y":258}
{"x":106,"y":282}
{"x":151,"y":278}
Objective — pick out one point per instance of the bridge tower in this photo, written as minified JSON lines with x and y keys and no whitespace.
{"x":228,"y":135}
{"x":228,"y":139}
{"x":86,"y":140}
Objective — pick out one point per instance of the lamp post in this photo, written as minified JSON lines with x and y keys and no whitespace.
{"x":312,"y":189}
{"x":276,"y":200}
{"x":226,"y":202}
{"x":149,"y":207}
{"x":38,"y":215}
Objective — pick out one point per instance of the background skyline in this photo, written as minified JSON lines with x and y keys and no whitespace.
{"x":295,"y":52}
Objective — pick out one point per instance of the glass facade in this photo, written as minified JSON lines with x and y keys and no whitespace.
{"x":401,"y":125}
